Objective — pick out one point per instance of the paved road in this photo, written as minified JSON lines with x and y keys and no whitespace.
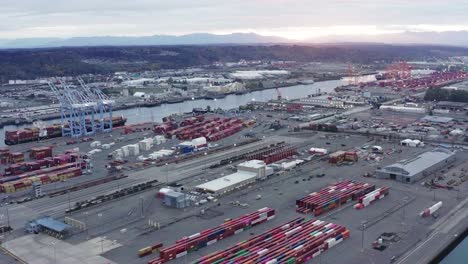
{"x":443,"y":233}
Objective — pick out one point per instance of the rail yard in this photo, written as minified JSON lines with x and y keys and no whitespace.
{"x":371,"y":173}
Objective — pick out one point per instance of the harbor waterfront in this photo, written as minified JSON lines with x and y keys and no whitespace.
{"x":155,"y":114}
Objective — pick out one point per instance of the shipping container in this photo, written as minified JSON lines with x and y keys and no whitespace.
{"x":208,"y":237}
{"x":297,"y":241}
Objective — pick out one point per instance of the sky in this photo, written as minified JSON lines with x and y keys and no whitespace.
{"x":293,"y":19}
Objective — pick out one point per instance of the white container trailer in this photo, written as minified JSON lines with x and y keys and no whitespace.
{"x":431,"y":210}
{"x":199,"y":142}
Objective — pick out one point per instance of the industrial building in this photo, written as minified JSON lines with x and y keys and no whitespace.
{"x":437,"y":119}
{"x":452,"y":106}
{"x":247,"y":173}
{"x":412,"y":170}
{"x":50,"y":226}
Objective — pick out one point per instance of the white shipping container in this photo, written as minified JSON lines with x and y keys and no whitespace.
{"x":95,"y":144}
{"x":105,"y":146}
{"x":133,"y":150}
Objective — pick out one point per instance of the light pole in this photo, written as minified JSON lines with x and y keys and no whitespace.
{"x":363,"y":227}
{"x":102,"y":244}
{"x":167,"y":173}
{"x":55,"y":253}
{"x":86,"y":224}
{"x":100,"y":218}
{"x":141,"y":201}
{"x":69,"y":203}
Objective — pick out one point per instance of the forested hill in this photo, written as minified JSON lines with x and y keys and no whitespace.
{"x":33,"y":63}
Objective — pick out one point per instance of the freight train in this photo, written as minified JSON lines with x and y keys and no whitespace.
{"x":34,"y":134}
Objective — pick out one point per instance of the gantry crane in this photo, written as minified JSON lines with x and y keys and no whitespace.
{"x":79,"y":107}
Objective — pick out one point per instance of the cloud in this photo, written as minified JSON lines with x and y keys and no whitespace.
{"x":288,"y":18}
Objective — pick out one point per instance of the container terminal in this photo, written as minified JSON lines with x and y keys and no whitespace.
{"x":368,"y":173}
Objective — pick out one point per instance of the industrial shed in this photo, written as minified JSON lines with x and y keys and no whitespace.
{"x":412,"y":170}
{"x":227,"y":183}
{"x":452,"y":106}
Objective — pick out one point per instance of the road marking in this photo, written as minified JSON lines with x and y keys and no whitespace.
{"x":418,"y":247}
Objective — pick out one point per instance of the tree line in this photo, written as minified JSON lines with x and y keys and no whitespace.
{"x":438,"y":94}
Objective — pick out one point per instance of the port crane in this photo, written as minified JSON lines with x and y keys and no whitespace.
{"x":278,"y":95}
{"x":79,"y":107}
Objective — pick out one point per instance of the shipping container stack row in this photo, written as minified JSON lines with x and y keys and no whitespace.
{"x":34,"y":134}
{"x":171,"y":128}
{"x":40,"y":153}
{"x":26,"y":183}
{"x":23,"y":167}
{"x":192,"y":120}
{"x":210,"y":236}
{"x":371,"y":197}
{"x":433,"y":80}
{"x":332,"y":196}
{"x":258,"y":154}
{"x":212,"y":128}
{"x":16,"y":157}
{"x":4,"y":156}
{"x":42,"y":171}
{"x":297,"y":241}
{"x":341,"y":156}
{"x":279,"y":155}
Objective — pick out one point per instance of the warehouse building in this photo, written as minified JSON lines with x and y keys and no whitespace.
{"x":247,"y":172}
{"x":452,"y":106}
{"x":228,"y":183}
{"x":437,"y":119}
{"x":412,"y":170}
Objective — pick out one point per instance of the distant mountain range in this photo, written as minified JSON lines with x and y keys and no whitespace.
{"x":453,"y":38}
{"x":190,"y":39}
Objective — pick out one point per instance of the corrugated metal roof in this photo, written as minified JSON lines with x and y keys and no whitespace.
{"x":437,"y":119}
{"x":411,"y":167}
{"x":227,"y":181}
{"x":253,"y":164}
{"x":52,"y":224}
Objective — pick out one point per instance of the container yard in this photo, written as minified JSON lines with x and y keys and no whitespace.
{"x":281,"y":181}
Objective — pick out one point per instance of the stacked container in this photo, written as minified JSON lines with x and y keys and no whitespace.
{"x":146,"y":144}
{"x":133,"y":150}
{"x":23,"y":183}
{"x":16,"y":157}
{"x":157,"y":140}
{"x":297,"y":241}
{"x":40,"y":153}
{"x":4,"y":155}
{"x":371,"y":197}
{"x":332,"y":197}
{"x":208,"y":237}
{"x":53,"y":131}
